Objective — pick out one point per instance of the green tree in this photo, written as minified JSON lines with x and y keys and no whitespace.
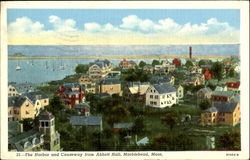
{"x":155,"y":62}
{"x":118,"y":113}
{"x":232,"y":73}
{"x":217,"y":70}
{"x":56,"y":105}
{"x":188,"y":64}
{"x":81,"y":68}
{"x":202,"y":62}
{"x":139,"y":125}
{"x":205,"y":104}
{"x":229,"y":141}
{"x":28,"y":124}
{"x":171,"y":119}
{"x":142,"y":64}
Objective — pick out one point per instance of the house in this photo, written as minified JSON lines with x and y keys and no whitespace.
{"x":222,"y":96}
{"x":100,"y":68}
{"x":15,"y":89}
{"x":177,"y":62}
{"x":179,"y":91}
{"x":127,"y":64}
{"x":203,"y":94}
{"x":207,"y":74}
{"x":158,"y":67}
{"x":170,"y":68}
{"x":162,"y":79}
{"x":45,"y":138}
{"x":196,"y":69}
{"x":91,"y":122}
{"x":110,"y":86}
{"x":82,"y":109}
{"x":221,"y":88}
{"x":192,"y":80}
{"x":148,"y":68}
{"x":118,"y":127}
{"x":136,"y":92}
{"x":144,"y":141}
{"x":233,"y":86}
{"x":71,"y":93}
{"x":227,"y":113}
{"x":161,"y":95}
{"x":20,"y":107}
{"x":39,"y":100}
{"x":87,"y":83}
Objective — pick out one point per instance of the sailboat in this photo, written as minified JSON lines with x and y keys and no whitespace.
{"x":46,"y":65}
{"x":61,"y":67}
{"x":18,"y":66}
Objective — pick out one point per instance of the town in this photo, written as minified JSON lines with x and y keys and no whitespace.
{"x":162,"y":106}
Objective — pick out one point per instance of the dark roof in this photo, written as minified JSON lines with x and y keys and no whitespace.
{"x":160,"y":79}
{"x":45,"y":115}
{"x":35,"y":95}
{"x":205,"y":90}
{"x":223,"y":93}
{"x":101,"y":63}
{"x":18,"y":141}
{"x":164,"y":88}
{"x":123,"y":125}
{"x":82,"y":105}
{"x":85,"y":120}
{"x":227,"y":107}
{"x":16,"y":101}
{"x":13,"y":128}
{"x":23,"y":87}
{"x":109,"y":81}
{"x":211,"y":109}
{"x":71,"y":85}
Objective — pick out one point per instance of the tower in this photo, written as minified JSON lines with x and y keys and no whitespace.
{"x":47,"y":128}
{"x":190,"y":52}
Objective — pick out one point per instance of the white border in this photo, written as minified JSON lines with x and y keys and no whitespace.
{"x":244,"y":54}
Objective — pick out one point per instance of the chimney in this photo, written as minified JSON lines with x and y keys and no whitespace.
{"x":190,"y":52}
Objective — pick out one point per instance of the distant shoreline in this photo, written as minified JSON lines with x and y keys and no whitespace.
{"x":119,"y":57}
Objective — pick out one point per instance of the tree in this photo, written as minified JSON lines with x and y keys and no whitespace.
{"x":188,"y":64}
{"x":56,"y":104}
{"x":142,"y":64}
{"x":139,"y":125}
{"x":217,"y":70}
{"x":155,"y":62}
{"x":118,"y":113}
{"x":202,"y":62}
{"x":232,"y":73}
{"x":28,"y":124}
{"x":171,"y":119}
{"x":81,"y":68}
{"x":205,"y":104}
{"x":229,"y":141}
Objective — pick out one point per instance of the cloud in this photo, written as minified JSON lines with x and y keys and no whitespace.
{"x":132,"y":29}
{"x":25,"y":25}
{"x":62,"y":25}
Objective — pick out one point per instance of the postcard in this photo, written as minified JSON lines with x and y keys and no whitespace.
{"x":125,"y":80}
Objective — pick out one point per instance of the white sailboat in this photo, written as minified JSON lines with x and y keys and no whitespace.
{"x":18,"y":67}
{"x":61,"y":67}
{"x":46,"y":65}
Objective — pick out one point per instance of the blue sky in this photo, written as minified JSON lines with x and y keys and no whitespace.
{"x":114,"y":16}
{"x":123,"y":26}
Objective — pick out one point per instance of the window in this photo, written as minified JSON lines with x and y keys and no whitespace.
{"x":161,"y":102}
{"x":209,"y":120}
{"x":42,"y":124}
{"x":10,"y":111}
{"x":13,"y":90}
{"x":45,"y":101}
{"x":151,"y":96}
{"x":213,"y":114}
{"x":172,"y":98}
{"x":163,"y":96}
{"x":213,"y":120}
{"x":151,"y":102}
{"x":154,"y":90}
{"x":151,"y":90}
{"x":15,"y":112}
{"x":156,"y":97}
{"x":37,"y":103}
{"x":10,"y":89}
{"x":27,"y":112}
{"x":46,"y":124}
{"x":209,"y":114}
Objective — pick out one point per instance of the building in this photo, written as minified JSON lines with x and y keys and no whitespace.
{"x":170,"y":68}
{"x":222,"y":96}
{"x":82,"y":109}
{"x":91,"y":122}
{"x":39,"y":100}
{"x":15,"y":89}
{"x":135,"y":92}
{"x":148,"y":68}
{"x":203,"y":94}
{"x":110,"y":86}
{"x":162,"y":79}
{"x":71,"y":93}
{"x":127,"y":64}
{"x":193,"y":80}
{"x":227,"y":113}
{"x":221,"y":88}
{"x":177,"y":62}
{"x":99,"y":69}
{"x":118,"y":127}
{"x":47,"y":129}
{"x":161,"y":95}
{"x":233,"y":86}
{"x":207,"y":74}
{"x":179,"y":91}
{"x":87,"y":83}
{"x":20,"y":107}
{"x":46,"y":138}
{"x":196,"y":69}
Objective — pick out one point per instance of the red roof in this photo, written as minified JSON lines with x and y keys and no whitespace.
{"x":233,"y":84}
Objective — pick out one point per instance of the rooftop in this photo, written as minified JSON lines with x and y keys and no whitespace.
{"x":223,"y":93}
{"x":85,"y":120}
{"x":16,"y":101}
{"x":164,"y":88}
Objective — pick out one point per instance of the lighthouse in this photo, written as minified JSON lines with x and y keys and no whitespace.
{"x":190,"y":52}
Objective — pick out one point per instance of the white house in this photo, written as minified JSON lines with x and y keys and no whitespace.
{"x":161,"y":95}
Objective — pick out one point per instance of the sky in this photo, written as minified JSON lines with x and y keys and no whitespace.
{"x":122,"y":26}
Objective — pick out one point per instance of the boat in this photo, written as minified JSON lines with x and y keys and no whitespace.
{"x":18,"y":68}
{"x":46,"y":65}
